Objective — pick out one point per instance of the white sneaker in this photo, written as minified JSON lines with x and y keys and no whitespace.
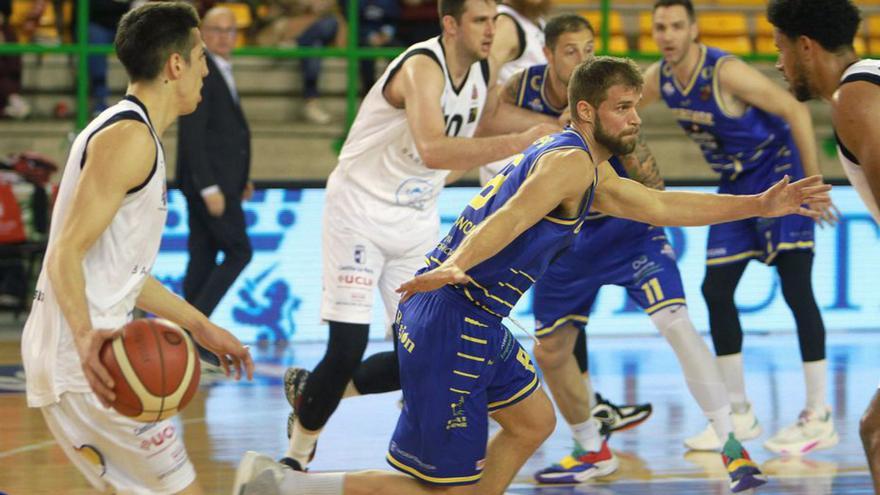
{"x":745,"y":427}
{"x":313,"y":113}
{"x":812,"y":431}
{"x":258,"y":474}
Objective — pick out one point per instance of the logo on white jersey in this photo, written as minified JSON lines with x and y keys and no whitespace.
{"x":415,"y":193}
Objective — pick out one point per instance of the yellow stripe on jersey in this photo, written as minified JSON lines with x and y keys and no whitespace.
{"x":468,"y":356}
{"x":468,"y":375}
{"x":474,"y":339}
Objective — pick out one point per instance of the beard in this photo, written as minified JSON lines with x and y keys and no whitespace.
{"x":799,"y":86}
{"x":530,"y":9}
{"x":615,"y":144}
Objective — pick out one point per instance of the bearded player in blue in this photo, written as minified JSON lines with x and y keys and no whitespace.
{"x":458,"y":363}
{"x":608,"y":251}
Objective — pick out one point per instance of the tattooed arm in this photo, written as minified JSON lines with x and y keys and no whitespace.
{"x":641,"y":166}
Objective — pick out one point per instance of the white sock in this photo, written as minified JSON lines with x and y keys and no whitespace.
{"x":587,"y":435}
{"x":302,"y":442}
{"x":721,"y":422}
{"x":296,"y":483}
{"x":815,"y":376}
{"x":734,"y":379}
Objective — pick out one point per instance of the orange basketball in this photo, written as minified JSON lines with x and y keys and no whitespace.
{"x":155,"y":369}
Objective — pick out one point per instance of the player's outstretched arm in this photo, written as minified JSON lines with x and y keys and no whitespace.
{"x":502,"y":115}
{"x":119,"y":158}
{"x":625,"y":198}
{"x":157,"y":299}
{"x":418,"y":87}
{"x":560,"y":180}
{"x":855,"y":120}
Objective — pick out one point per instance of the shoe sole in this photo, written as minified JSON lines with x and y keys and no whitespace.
{"x":632,"y":424}
{"x":748,"y":482}
{"x":244,"y":472}
{"x":604,"y":469}
{"x":824,"y":443}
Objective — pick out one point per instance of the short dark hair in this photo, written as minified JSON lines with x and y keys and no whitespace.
{"x":832,"y":23}
{"x":565,"y":23}
{"x":149,"y":34}
{"x":591,"y":79}
{"x":451,"y":7}
{"x":688,"y":6}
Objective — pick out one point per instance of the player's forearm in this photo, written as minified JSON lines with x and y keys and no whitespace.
{"x":450,"y":153}
{"x":682,"y":208}
{"x":157,"y":299}
{"x":802,"y":131}
{"x":64,"y":267}
{"x":507,"y":118}
{"x":641,"y":166}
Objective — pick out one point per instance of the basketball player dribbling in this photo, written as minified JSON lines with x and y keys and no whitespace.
{"x":105,"y":234}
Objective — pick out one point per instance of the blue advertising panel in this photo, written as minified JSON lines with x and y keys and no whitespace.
{"x":278,"y":295}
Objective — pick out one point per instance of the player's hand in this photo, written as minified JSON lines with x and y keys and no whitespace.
{"x":433,"y":280}
{"x":228,"y":349}
{"x":538,"y":131}
{"x":829,"y":214}
{"x":88,"y":346}
{"x":787,"y":198}
{"x":216,"y":203}
{"x":248,"y":192}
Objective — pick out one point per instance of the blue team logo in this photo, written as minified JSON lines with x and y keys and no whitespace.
{"x":266,"y":302}
{"x":415,"y":193}
{"x":668,"y":89}
{"x":360,"y":254}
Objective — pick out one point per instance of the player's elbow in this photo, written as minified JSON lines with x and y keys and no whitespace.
{"x":432,"y":156}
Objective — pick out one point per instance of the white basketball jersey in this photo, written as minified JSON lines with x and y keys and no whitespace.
{"x":379,"y":158}
{"x":864,"y":70}
{"x":531,"y":43}
{"x":115,"y":267}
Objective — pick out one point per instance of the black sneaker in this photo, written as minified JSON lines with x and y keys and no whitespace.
{"x":294,"y":384}
{"x":619,"y":418}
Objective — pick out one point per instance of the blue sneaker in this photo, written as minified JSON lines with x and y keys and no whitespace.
{"x":744,"y":473}
{"x":580,"y":466}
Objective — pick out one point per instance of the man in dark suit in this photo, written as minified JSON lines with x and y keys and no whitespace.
{"x":213,"y":164}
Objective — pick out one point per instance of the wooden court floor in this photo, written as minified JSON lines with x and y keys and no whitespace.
{"x":228,"y":418}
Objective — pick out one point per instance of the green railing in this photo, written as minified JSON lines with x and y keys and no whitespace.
{"x":351,"y":52}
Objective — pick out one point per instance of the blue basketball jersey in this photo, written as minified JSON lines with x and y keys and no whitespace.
{"x":730,"y":144}
{"x":532,"y":95}
{"x":501,"y":280}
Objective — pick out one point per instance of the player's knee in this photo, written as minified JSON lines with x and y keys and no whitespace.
{"x":716,"y":293}
{"x":538,"y":424}
{"x":554,"y":350}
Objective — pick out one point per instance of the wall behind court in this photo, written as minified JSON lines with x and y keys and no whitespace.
{"x":278,"y":295}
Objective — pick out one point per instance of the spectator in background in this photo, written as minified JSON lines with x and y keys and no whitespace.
{"x":104,"y":16}
{"x":378,"y":27}
{"x":213,"y":164}
{"x":11,"y":102}
{"x":418,"y":21}
{"x":303,"y":23}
